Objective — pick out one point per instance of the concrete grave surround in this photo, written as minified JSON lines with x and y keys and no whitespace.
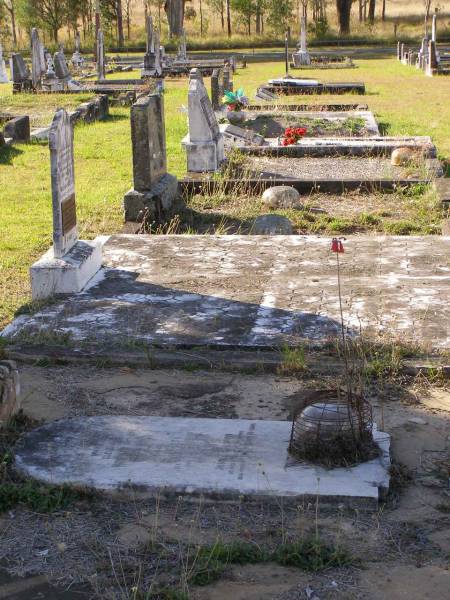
{"x":3,"y":74}
{"x":154,"y":189}
{"x":224,"y":458}
{"x":204,"y":142}
{"x":70,"y":264}
{"x":255,"y":292}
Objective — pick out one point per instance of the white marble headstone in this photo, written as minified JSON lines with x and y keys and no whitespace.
{"x":203,"y":126}
{"x":65,"y":234}
{"x":100,"y":55}
{"x":3,"y":74}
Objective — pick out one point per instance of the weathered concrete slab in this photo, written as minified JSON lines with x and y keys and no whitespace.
{"x":214,"y":457}
{"x":252,"y":291}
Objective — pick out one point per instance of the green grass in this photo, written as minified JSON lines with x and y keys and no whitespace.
{"x":309,"y":554}
{"x":403,"y":99}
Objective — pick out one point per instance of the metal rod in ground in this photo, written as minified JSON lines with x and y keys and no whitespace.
{"x":286,"y":52}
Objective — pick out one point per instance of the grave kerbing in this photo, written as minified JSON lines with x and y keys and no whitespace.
{"x":204,"y":143}
{"x":71,"y":263}
{"x":154,"y":196}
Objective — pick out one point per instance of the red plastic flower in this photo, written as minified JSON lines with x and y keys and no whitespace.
{"x":337,"y":246}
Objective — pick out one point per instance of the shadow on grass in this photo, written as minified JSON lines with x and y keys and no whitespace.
{"x":8,"y":153}
{"x":112,"y":118}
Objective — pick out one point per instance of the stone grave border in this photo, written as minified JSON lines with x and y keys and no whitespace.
{"x":348,"y":87}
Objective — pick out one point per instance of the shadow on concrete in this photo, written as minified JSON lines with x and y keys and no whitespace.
{"x":122,"y":311}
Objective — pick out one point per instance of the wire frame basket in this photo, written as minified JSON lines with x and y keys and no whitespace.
{"x":328,"y":428}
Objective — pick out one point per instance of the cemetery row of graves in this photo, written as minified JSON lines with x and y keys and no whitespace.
{"x":245,"y":361}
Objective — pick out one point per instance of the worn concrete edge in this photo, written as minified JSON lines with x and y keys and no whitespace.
{"x":195,"y":185}
{"x":251,"y":360}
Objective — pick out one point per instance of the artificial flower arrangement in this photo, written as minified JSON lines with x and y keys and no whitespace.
{"x":292,"y":135}
{"x":235,"y":101}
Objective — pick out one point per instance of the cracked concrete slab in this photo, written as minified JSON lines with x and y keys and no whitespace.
{"x":252,"y":292}
{"x":224,"y":457}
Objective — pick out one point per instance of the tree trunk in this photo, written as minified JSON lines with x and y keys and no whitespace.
{"x":383,"y":11}
{"x":175,"y":16}
{"x":201,"y":18}
{"x":372,"y":11}
{"x":228,"y":18}
{"x":258,"y":20}
{"x":222,"y":17}
{"x":344,"y":8}
{"x":55,"y":34}
{"x":120,"y":37}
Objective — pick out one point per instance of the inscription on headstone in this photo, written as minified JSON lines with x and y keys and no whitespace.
{"x":65,"y":234}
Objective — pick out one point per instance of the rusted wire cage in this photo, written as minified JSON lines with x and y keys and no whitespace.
{"x":331,"y":429}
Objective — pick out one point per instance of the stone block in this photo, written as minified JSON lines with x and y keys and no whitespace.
{"x":9,"y":391}
{"x":281,"y":196}
{"x":18,"y":129}
{"x":271,"y":225}
{"x":68,"y":274}
{"x":204,"y":157}
{"x":157,"y":204}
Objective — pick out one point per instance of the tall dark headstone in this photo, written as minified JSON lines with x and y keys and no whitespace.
{"x":155,"y":191}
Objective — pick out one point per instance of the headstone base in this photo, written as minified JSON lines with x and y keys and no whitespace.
{"x":53,"y":85}
{"x":203,"y":157}
{"x":157,"y":204}
{"x":66,"y":275}
{"x":301,"y":58}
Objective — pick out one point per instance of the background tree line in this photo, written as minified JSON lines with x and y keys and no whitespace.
{"x":256,"y":16}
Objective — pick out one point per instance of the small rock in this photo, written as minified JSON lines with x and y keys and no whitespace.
{"x":402,"y":157}
{"x":62,"y":547}
{"x":281,"y":196}
{"x":271,"y":225}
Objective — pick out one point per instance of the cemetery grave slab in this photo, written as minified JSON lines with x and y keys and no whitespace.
{"x":307,"y":107}
{"x":317,"y":124}
{"x":312,"y":86}
{"x":219,"y":458}
{"x":339,"y":168}
{"x":244,"y":291}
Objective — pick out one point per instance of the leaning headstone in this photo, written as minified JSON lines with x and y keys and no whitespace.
{"x":9,"y":391}
{"x":100,"y":56}
{"x":216,"y":90}
{"x":37,"y":69}
{"x":154,"y":195}
{"x":243,"y":137}
{"x":71,"y":263}
{"x":3,"y":74}
{"x":204,"y":142}
{"x":61,"y":69}
{"x":227,"y":79}
{"x":20,"y":71}
{"x":301,"y":56}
